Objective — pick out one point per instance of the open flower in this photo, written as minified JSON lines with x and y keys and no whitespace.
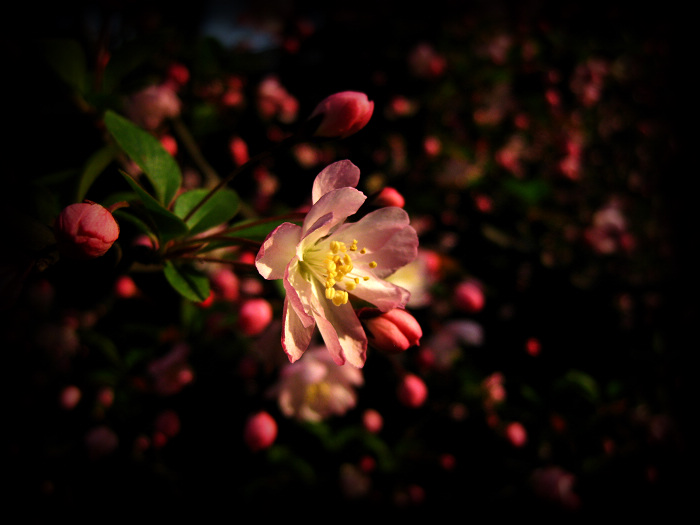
{"x":315,"y":389}
{"x":324,"y":260}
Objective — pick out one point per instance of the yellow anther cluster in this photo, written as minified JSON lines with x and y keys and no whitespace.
{"x":338,"y":265}
{"x":318,"y":392}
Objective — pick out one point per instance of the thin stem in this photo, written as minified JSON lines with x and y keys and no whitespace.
{"x":288,"y":142}
{"x":193,"y":150}
{"x":297,"y":215}
{"x":239,"y":264}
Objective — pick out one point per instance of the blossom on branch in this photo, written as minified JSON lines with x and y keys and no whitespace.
{"x":325,"y":260}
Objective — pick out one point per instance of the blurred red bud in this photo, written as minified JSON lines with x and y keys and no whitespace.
{"x":260,"y":431}
{"x":254,"y":316}
{"x":412,"y":391}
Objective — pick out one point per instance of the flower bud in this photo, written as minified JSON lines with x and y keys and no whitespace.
{"x":469,"y":296}
{"x":85,"y":230}
{"x":343,"y":114}
{"x":260,"y":431}
{"x":412,"y":391}
{"x":390,"y":197}
{"x":254,"y":316}
{"x":394,"y":331}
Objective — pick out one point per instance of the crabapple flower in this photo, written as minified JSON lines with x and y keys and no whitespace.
{"x":324,"y":260}
{"x":344,"y":114}
{"x":85,"y":230}
{"x":315,"y":388}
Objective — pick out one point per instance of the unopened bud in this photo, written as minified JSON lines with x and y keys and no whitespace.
{"x":412,"y":391}
{"x":254,"y":316}
{"x":390,"y":197}
{"x":394,"y":331}
{"x":85,"y":230}
{"x":343,"y":113}
{"x":260,"y":431}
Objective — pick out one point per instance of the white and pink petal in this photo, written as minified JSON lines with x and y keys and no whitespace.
{"x":277,"y":250}
{"x":341,"y":174}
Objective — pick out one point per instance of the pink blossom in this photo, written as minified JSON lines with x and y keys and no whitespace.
{"x":85,"y":230}
{"x":425,"y":62}
{"x":152,"y":105}
{"x":608,"y":231}
{"x":273,"y":100}
{"x":315,"y":388}
{"x":325,"y":260}
{"x":260,"y":431}
{"x":418,"y":277}
{"x":555,"y":484}
{"x":171,"y":372}
{"x":343,"y":114}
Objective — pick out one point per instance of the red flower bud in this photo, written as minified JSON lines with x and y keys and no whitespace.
{"x":260,"y":431}
{"x":412,"y":391}
{"x":85,"y":230}
{"x":393,"y":331}
{"x":254,"y":316}
{"x":343,"y":113}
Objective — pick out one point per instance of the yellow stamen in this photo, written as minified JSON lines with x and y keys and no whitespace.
{"x":338,"y":266}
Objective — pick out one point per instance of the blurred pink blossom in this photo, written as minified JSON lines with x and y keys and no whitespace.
{"x":151,"y":106}
{"x":425,"y":62}
{"x":171,"y":372}
{"x":556,"y":485}
{"x":315,"y":388}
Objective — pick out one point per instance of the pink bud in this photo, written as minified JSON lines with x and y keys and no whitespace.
{"x":516,"y":434}
{"x":412,"y":391}
{"x":372,"y":420}
{"x":254,"y":316}
{"x":343,"y":113}
{"x":85,"y":230}
{"x":70,"y":396}
{"x":469,"y":297}
{"x":390,"y":197}
{"x":394,"y":331}
{"x":260,"y":431}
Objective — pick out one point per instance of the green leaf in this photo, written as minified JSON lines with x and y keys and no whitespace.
{"x":148,"y":153}
{"x":95,"y":165}
{"x":581,"y":383}
{"x":187,"y":281}
{"x":531,"y":192}
{"x":67,"y":59}
{"x":220,"y":208}
{"x":167,"y":223}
